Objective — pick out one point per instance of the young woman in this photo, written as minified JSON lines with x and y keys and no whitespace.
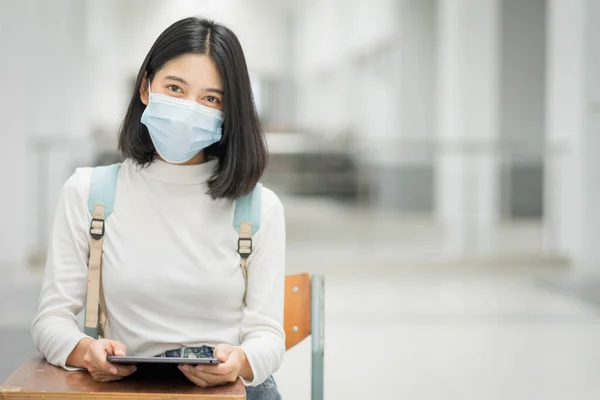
{"x":171,"y":275}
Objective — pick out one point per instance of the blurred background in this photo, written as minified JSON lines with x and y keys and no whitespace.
{"x":439,"y":161}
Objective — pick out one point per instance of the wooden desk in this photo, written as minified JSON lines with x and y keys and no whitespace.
{"x":36,"y":379}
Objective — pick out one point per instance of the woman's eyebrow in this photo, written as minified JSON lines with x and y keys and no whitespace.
{"x":176,"y":78}
{"x":219,"y":91}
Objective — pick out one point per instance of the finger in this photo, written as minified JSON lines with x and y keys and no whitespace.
{"x":190,"y":370}
{"x":114,"y":369}
{"x":100,"y":362}
{"x":107,"y":368}
{"x":215,"y":379}
{"x":116,"y":348}
{"x":221,"y":369}
{"x":124,"y":370}
{"x":195,"y":380}
{"x":222,"y":352}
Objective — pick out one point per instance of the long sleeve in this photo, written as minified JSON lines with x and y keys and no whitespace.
{"x":262,"y":334}
{"x":55,"y":330}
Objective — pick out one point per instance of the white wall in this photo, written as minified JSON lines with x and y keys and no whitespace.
{"x":257,"y":24}
{"x":368,"y":68}
{"x":590,"y":255}
{"x":13,"y":139}
{"x":331,"y":37}
{"x":417,"y":68}
{"x":366,"y":56}
{"x":573,"y":119}
{"x":565,"y":122}
{"x":46,"y":99}
{"x":467,"y":170}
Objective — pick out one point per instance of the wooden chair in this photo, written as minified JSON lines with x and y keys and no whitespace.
{"x":36,"y":379}
{"x":303,"y":317}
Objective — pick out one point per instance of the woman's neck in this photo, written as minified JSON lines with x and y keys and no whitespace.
{"x":197,"y":159}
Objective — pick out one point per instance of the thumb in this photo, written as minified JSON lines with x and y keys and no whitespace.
{"x":222,"y":352}
{"x":118,"y":348}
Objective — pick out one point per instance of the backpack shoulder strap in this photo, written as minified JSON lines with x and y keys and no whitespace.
{"x":246,"y":221}
{"x":101,"y":201}
{"x":247,"y":209}
{"x":103,"y":187}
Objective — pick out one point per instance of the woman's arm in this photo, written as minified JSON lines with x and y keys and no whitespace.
{"x":262,"y":334}
{"x":55,"y":330}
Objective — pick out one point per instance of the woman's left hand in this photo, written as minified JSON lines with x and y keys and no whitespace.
{"x":233,"y":364}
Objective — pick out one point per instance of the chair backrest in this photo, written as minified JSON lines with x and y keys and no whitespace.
{"x":304,"y":315}
{"x":296,"y":320}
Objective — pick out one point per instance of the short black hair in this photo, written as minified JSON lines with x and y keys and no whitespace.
{"x":242,"y":151}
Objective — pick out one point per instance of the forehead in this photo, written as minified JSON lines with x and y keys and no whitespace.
{"x":198,"y":70}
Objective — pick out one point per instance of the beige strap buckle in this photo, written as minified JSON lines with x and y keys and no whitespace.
{"x":97,"y":228}
{"x":245,"y":247}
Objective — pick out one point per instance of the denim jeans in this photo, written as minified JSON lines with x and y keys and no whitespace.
{"x":265,"y":391}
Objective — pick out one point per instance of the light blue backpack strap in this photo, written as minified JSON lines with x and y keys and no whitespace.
{"x":247,"y":209}
{"x":103,"y":187}
{"x":246,"y":221}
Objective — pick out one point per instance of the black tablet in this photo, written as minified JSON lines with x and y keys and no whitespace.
{"x":162,"y":360}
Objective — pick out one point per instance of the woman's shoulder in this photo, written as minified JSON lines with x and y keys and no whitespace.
{"x":78,"y":184}
{"x":270,"y":201}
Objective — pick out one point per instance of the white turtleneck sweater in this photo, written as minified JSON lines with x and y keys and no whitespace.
{"x":171,"y":271}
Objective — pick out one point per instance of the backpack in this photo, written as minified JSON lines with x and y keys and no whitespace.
{"x":101,"y":201}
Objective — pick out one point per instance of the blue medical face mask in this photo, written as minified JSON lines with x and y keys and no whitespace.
{"x":179,"y":128}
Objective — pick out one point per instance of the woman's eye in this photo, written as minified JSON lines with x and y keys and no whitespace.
{"x":211,"y":99}
{"x":174,"y":88}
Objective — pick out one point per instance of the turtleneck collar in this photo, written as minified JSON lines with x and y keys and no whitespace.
{"x":178,"y":174}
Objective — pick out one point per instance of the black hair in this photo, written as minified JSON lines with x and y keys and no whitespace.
{"x":242,"y":151}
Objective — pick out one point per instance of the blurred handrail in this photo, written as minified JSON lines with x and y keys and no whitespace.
{"x":299,"y":142}
{"x":425,"y":149}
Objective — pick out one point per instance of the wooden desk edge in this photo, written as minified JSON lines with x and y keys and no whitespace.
{"x":15,"y":392}
{"x":10,"y":393}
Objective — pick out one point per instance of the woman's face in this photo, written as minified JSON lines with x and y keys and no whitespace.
{"x":192,"y":77}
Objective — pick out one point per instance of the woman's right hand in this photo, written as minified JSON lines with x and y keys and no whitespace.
{"x":102,"y":370}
